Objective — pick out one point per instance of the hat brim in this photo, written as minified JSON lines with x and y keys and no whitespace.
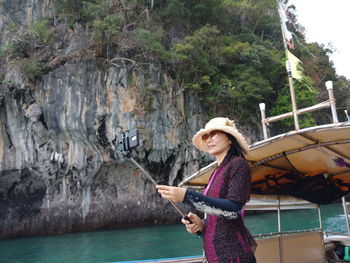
{"x":202,"y":145}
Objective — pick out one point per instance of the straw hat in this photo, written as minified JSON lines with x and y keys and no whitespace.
{"x":221,"y":124}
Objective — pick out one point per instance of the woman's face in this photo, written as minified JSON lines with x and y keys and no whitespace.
{"x":217,"y":142}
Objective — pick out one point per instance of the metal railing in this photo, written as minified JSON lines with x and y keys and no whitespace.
{"x":330,"y":103}
{"x":284,"y":233}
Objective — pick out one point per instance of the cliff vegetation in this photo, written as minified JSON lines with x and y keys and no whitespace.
{"x":229,"y":52}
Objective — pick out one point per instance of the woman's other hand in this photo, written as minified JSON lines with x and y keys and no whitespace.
{"x":197,"y":224}
{"x":172,"y":193}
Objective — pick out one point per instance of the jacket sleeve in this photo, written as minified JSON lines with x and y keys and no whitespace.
{"x":215,"y":206}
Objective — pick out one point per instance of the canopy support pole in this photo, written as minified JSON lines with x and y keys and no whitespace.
{"x":345,"y":207}
{"x":263,"y":118}
{"x":329,"y":85}
{"x":280,"y":229}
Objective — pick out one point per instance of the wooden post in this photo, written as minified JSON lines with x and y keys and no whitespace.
{"x":329,"y":85}
{"x":263,"y":118}
{"x":292,"y":94}
{"x":290,"y":78}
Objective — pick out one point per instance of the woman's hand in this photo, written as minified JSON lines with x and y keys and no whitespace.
{"x":197,"y":224}
{"x":172,"y":193}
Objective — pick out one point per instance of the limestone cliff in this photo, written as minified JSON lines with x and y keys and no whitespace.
{"x":58,"y":169}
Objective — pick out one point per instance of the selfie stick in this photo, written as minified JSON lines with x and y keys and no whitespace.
{"x":124,"y":144}
{"x":184,"y":216}
{"x":155,"y":183}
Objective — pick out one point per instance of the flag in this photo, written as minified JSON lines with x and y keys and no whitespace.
{"x":292,"y":20}
{"x":294,"y":63}
{"x":287,"y":35}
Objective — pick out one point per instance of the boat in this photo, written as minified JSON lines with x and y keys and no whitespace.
{"x":311,"y":165}
{"x":299,"y":169}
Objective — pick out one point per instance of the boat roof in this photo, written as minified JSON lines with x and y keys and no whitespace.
{"x":312,"y":164}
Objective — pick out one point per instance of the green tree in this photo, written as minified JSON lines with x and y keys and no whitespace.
{"x":149,"y":44}
{"x":305,"y":95}
{"x":197,"y":55}
{"x":41,"y":33}
{"x":32,"y":68}
{"x":69,"y":10}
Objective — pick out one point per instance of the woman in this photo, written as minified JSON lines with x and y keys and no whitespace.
{"x":225,"y":238}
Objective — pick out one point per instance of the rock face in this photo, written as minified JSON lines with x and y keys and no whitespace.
{"x":59,"y":172}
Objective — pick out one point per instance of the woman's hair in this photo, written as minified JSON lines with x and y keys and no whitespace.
{"x":235,"y":149}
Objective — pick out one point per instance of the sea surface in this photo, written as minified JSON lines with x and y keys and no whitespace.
{"x":152,"y":242}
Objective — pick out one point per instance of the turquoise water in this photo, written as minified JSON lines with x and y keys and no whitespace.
{"x":150,"y":242}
